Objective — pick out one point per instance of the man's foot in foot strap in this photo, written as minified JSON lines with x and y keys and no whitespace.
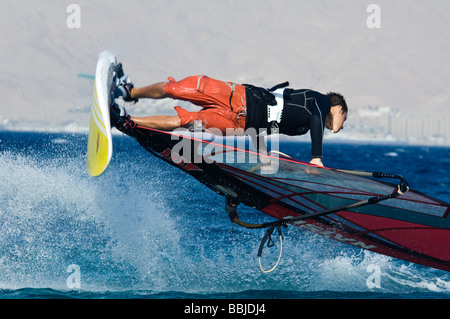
{"x":124,"y":85}
{"x":120,"y":118}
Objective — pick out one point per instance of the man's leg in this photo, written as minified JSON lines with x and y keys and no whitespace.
{"x":154,"y":91}
{"x":159,"y":122}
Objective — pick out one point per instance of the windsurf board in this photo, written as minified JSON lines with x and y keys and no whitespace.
{"x":99,"y":148}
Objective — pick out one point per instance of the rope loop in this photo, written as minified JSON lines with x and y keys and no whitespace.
{"x":268,"y":237}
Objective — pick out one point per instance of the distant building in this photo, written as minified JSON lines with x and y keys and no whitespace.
{"x":385,"y":123}
{"x":422,"y":128}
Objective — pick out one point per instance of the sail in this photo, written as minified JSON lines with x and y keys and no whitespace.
{"x":412,"y":227}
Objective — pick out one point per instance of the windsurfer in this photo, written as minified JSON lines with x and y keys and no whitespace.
{"x":227,"y":105}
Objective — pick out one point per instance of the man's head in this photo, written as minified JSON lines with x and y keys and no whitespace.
{"x":338,"y":112}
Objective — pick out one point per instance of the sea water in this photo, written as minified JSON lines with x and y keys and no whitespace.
{"x":145,"y":229}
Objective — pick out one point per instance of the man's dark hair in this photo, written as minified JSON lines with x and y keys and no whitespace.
{"x":338,"y":99}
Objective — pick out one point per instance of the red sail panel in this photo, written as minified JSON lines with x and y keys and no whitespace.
{"x":430,"y":241}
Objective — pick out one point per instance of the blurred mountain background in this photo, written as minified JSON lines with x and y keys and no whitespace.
{"x":395,"y":78}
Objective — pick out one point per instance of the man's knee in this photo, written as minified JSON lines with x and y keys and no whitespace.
{"x":184,"y":89}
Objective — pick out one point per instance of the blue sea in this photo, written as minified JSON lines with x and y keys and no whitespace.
{"x":146,"y":230}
